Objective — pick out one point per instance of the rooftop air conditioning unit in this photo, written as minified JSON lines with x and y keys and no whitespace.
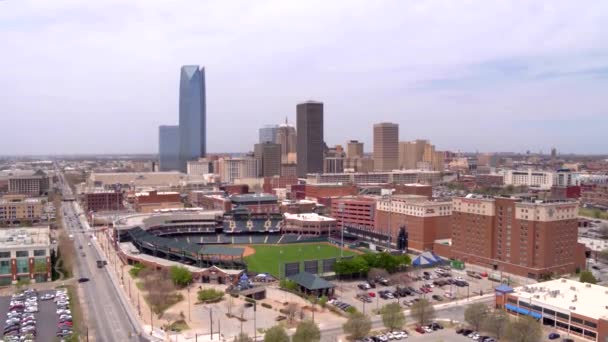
{"x":572,"y":308}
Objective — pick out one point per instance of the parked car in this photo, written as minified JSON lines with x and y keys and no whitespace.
{"x":420,"y":330}
{"x":554,"y":336}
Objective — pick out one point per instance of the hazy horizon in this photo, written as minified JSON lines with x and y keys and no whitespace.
{"x":100,"y":77}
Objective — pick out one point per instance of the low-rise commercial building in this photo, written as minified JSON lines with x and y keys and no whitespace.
{"x":20,"y":209}
{"x":316,"y":191}
{"x":309,"y":224}
{"x":102,"y":200}
{"x":571,"y":307}
{"x":595,"y":194}
{"x":25,"y":254}
{"x":147,"y":202}
{"x":403,"y":177}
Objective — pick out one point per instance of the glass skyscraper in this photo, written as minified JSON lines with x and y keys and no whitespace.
{"x":268,"y":133}
{"x":168,"y":148}
{"x":192,"y":115}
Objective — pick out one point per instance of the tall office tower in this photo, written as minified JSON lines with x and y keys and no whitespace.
{"x":354,"y":149}
{"x":286,"y":137}
{"x":168,"y":148}
{"x":192,"y":114}
{"x":386,"y":146}
{"x":310,"y":138}
{"x":269,"y":158}
{"x":268,"y":133}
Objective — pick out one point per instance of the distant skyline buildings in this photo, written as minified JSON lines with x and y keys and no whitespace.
{"x":268,"y":133}
{"x":192,"y":114}
{"x":168,"y":147}
{"x":386,"y":146}
{"x":310,"y":141}
{"x":287,"y":138}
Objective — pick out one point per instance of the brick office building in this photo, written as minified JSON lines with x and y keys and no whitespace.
{"x":147,"y":202}
{"x":25,"y":255}
{"x":424,"y":220}
{"x":103,"y":200}
{"x":596,"y":194}
{"x":354,"y":211}
{"x":522,"y":236}
{"x":315,"y":191}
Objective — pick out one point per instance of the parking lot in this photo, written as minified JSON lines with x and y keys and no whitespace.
{"x":349,"y":291}
{"x":46,"y":317}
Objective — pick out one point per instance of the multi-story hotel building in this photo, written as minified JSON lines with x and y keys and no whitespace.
{"x":103,"y":200}
{"x":18,"y":209}
{"x":424,"y":220}
{"x":35,"y":184}
{"x":522,"y":236}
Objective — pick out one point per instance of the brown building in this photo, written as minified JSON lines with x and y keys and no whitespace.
{"x":386,"y":146}
{"x":286,"y":137}
{"x":289,"y":170}
{"x":354,"y":149}
{"x":196,"y":197}
{"x":310,"y":142}
{"x":147,"y":202}
{"x":35,"y":184}
{"x":424,"y":220}
{"x":268,"y":155}
{"x":489,"y":180}
{"x":315,"y":191}
{"x":309,"y":224}
{"x":412,"y":189}
{"x":103,"y":200}
{"x":19,"y":208}
{"x":278,"y":182}
{"x":354,"y":211}
{"x":214,"y":202}
{"x":235,"y":189}
{"x":521,"y":236}
{"x":596,"y":194}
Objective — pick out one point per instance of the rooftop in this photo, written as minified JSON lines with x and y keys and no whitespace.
{"x":247,"y":198}
{"x":311,"y":217}
{"x":311,"y":281}
{"x":568,"y":296}
{"x":24,"y":236}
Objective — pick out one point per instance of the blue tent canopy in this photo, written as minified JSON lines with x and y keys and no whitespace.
{"x":523,"y":311}
{"x":427,"y":259}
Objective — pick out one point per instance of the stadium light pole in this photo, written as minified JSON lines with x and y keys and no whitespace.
{"x":341,"y":205}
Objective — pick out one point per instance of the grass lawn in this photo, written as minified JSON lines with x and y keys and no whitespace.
{"x":593,"y":213}
{"x":267,"y":258}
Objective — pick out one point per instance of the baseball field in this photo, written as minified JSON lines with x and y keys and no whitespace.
{"x":268,"y":258}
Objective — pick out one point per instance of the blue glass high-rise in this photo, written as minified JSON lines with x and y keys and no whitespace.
{"x":168,"y":148}
{"x":192,"y":114}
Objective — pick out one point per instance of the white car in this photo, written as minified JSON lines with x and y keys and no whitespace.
{"x":382,"y":338}
{"x":399,"y":335}
{"x":390,"y":336}
{"x":475,"y":337}
{"x":427,"y":329}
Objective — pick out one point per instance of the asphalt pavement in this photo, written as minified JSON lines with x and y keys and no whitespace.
{"x":107,"y":316}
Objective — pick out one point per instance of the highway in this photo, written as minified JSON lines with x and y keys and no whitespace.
{"x":107,"y":318}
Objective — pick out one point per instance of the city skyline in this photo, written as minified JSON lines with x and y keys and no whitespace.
{"x":541,"y":85}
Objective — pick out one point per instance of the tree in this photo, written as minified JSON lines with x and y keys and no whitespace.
{"x":603,"y":230}
{"x":307,"y":331}
{"x":587,"y":277}
{"x":496,"y":323}
{"x":276,"y":334}
{"x":423,"y":311}
{"x":475,"y":313}
{"x":292,"y":309}
{"x":243,"y":337}
{"x":357,"y":326}
{"x":377,"y":273}
{"x":603,"y":255}
{"x":180,"y":275}
{"x":392,"y":316}
{"x":288,"y":284}
{"x":524,"y":329}
{"x":323,"y":301}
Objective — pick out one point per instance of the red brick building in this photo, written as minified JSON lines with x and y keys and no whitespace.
{"x":596,"y":194}
{"x":147,"y":202}
{"x":424,"y":220}
{"x":235,"y":189}
{"x":355,"y":211}
{"x":521,"y":236}
{"x":103,"y":200}
{"x":314,"y":191}
{"x":278,"y":182}
{"x":413,"y":189}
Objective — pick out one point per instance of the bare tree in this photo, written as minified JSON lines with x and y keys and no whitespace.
{"x":524,"y":329}
{"x":496,"y":323}
{"x":423,"y":311}
{"x":603,"y":230}
{"x":292,"y":309}
{"x":377,"y":273}
{"x":229,"y":304}
{"x":475,"y":313}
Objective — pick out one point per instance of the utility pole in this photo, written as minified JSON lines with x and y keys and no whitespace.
{"x":341,"y":205}
{"x":211,"y":321}
{"x":255,"y":328}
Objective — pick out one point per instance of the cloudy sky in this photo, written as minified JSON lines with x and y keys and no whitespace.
{"x":100,"y":76}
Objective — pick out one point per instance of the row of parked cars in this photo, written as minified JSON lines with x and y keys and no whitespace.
{"x":389,"y":336}
{"x":64,"y":324}
{"x":429,"y":328}
{"x":339,"y":304}
{"x":475,"y":336}
{"x":21,"y":322}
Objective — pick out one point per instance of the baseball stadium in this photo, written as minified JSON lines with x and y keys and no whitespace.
{"x":211,"y":242}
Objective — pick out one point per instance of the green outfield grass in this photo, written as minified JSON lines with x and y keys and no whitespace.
{"x":267,"y":258}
